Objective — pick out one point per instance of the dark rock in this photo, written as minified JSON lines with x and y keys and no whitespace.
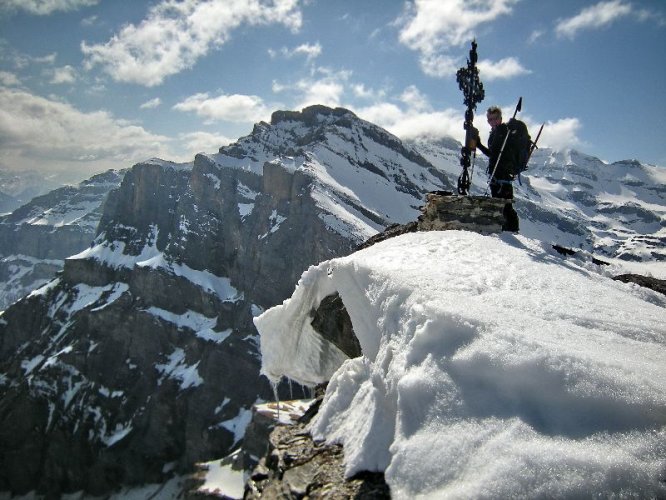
{"x":311,"y":115}
{"x":564,"y":250}
{"x":390,"y":232}
{"x":297,"y":467}
{"x":646,"y":281}
{"x":331,"y":320}
{"x":474,"y":213}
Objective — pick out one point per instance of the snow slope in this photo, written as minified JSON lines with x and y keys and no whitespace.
{"x":492,"y":368}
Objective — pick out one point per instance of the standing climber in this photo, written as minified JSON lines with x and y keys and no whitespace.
{"x":500,"y":167}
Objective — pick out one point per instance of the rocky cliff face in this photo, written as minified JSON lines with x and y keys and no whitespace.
{"x":141,"y":358}
{"x":36,"y":238}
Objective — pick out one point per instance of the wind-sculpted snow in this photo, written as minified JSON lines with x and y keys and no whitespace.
{"x":491,"y":368}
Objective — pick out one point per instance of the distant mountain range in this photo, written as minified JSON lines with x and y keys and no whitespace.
{"x":36,"y":237}
{"x":19,"y":187}
{"x":140,"y":358}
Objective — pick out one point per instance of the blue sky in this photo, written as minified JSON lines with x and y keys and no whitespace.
{"x":87,"y":85}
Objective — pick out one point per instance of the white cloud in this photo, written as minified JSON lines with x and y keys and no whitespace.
{"x":22,"y":61}
{"x":197,"y":142}
{"x":327,"y":90}
{"x":89,"y":21}
{"x":433,"y":125}
{"x":438,"y":65}
{"x":308,"y":50}
{"x":503,"y":69}
{"x":48,"y":59}
{"x":536,"y":34}
{"x":41,"y":133}
{"x":46,"y":7}
{"x":384,"y":114}
{"x":176,"y":34}
{"x":8,"y":79}
{"x":361,"y":91}
{"x":432,"y":26}
{"x":414,"y":118}
{"x":597,"y":16}
{"x":65,"y":74}
{"x":234,"y":108}
{"x":561,"y":134}
{"x":414,"y":98}
{"x":151,"y":104}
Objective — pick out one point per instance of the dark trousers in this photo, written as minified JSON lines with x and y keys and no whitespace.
{"x":505,"y":190}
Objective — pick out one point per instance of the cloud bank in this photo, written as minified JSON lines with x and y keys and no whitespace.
{"x":35,"y":132}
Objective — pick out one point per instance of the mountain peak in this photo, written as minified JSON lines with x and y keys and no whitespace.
{"x":312,"y":115}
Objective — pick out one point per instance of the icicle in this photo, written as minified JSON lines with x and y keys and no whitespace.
{"x":274,"y":385}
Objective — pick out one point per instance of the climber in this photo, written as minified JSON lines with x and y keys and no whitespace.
{"x":500,"y":169}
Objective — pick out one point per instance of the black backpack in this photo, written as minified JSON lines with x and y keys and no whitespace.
{"x":519,"y":143}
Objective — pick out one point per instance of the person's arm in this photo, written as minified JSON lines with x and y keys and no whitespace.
{"x":477,"y":141}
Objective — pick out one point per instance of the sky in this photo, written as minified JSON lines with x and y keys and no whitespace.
{"x":87,"y":85}
{"x":493,"y":354}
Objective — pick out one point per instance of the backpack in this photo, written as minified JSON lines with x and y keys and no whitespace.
{"x":519,"y":143}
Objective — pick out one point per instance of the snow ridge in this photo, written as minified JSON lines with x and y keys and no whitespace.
{"x":523,"y":374}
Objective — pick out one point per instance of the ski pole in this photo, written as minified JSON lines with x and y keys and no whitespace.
{"x":534,"y":143}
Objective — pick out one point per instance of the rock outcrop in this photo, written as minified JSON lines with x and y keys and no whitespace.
{"x":297,"y":467}
{"x":646,"y":281}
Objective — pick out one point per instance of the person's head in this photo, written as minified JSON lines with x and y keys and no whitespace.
{"x":494,"y":116}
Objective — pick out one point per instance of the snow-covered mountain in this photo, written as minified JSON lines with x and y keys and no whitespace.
{"x":142,"y":358}
{"x":37,"y":237}
{"x":615,"y":211}
{"x":491,"y":368}
{"x":142,"y":353}
{"x":19,"y":187}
